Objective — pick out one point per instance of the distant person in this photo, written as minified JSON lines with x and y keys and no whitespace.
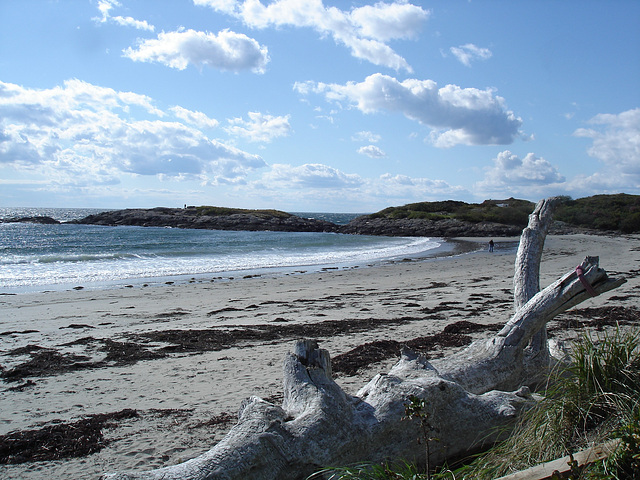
{"x":491,"y":245}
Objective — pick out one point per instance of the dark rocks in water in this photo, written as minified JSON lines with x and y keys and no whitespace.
{"x":41,"y":219}
{"x":210,"y":218}
{"x":215,"y":218}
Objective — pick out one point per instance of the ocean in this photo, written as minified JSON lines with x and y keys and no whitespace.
{"x":37,"y":257}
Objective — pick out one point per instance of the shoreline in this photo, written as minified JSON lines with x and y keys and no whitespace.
{"x":186,"y":397}
{"x":447,"y":247}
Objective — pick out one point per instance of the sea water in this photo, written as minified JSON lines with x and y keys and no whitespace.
{"x":36,"y":257}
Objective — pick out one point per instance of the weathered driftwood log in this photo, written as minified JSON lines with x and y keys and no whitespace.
{"x":526,"y":283}
{"x":468,"y":395}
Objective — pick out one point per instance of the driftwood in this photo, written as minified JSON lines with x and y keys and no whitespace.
{"x":562,"y":466}
{"x":468,"y":395}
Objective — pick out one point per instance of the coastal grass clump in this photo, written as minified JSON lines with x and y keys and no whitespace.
{"x":594,"y":399}
{"x":400,"y":470}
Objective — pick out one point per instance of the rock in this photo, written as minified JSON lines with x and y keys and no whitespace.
{"x":405,"y":227}
{"x":252,"y":220}
{"x":42,"y":220}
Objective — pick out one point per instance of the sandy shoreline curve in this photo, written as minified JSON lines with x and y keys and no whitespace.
{"x":445,"y":248}
{"x":184,"y":356}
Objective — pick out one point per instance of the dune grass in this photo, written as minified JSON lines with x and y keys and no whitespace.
{"x":588,"y":402}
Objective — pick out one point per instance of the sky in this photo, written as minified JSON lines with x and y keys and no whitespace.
{"x":316,"y":105}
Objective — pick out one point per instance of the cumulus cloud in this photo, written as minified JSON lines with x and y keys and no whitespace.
{"x":81,"y":132}
{"x":363,"y":30}
{"x":389,"y":21}
{"x":405,"y":189}
{"x":366,"y":136}
{"x":198,"y":119}
{"x":457,"y":115}
{"x":105,"y":7}
{"x":225,"y":51}
{"x":323,"y":186}
{"x":616,"y":140}
{"x":469,"y":52}
{"x":372,"y":151}
{"x":310,"y":176}
{"x":259,"y":127}
{"x":616,"y":143}
{"x":515,"y":175}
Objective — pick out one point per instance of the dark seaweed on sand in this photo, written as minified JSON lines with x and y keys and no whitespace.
{"x":61,"y":440}
{"x":364,"y":355}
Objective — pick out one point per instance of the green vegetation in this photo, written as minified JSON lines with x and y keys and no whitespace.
{"x":371,"y":471}
{"x":594,"y":399}
{"x":417,"y":409}
{"x":219,"y":211}
{"x":619,"y":212}
{"x":510,"y":211}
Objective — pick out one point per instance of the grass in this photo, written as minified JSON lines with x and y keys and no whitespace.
{"x":619,"y":212}
{"x":594,"y":399}
{"x":371,"y":471}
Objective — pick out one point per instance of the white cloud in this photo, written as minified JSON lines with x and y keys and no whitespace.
{"x":105,"y":7}
{"x":364,"y":31}
{"x":319,"y":186}
{"x":402,"y":189}
{"x":310,"y":176}
{"x":511,"y":175}
{"x":225,"y":51}
{"x":198,"y":119}
{"x":456,"y":115}
{"x":366,"y":136}
{"x":85,"y":134}
{"x":372,"y":151}
{"x":469,"y":52}
{"x":259,"y":127}
{"x":388,"y":21}
{"x":131,"y":22}
{"x":616,"y":141}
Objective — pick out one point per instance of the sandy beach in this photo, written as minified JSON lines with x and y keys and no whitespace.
{"x":179,"y":359}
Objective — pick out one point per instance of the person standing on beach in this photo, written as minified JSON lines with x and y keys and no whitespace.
{"x":491,"y":245}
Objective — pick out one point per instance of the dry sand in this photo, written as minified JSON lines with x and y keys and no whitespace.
{"x":224,"y":341}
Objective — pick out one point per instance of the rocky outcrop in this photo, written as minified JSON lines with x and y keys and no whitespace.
{"x":41,"y":220}
{"x":257,"y":220}
{"x":260,"y":220}
{"x":406,"y":227}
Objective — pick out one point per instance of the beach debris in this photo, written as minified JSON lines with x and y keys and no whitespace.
{"x":470,"y":393}
{"x":59,"y":440}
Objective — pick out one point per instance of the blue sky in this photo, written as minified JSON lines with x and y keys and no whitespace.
{"x":316,"y":105}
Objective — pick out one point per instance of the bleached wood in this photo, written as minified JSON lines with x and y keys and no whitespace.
{"x":562,"y":465}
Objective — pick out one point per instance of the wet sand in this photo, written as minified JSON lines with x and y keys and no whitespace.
{"x":138,"y":378}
